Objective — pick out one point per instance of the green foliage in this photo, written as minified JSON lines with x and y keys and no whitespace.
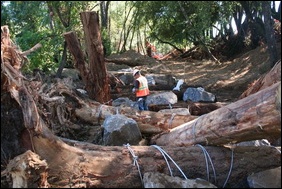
{"x":30,"y":22}
{"x":167,"y":24}
{"x":106,"y":42}
{"x":179,"y":22}
{"x":5,"y":20}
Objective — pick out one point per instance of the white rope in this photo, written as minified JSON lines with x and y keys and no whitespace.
{"x":163,"y":152}
{"x":276,"y":149}
{"x":169,"y":104}
{"x":164,"y":158}
{"x":193,"y":128}
{"x":207,"y":155}
{"x":135,"y":158}
{"x":170,"y":121}
{"x":117,"y":110}
{"x":231,"y":166}
{"x":99,"y":111}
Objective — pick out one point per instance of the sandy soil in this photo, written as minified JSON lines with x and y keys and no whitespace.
{"x":227,"y":80}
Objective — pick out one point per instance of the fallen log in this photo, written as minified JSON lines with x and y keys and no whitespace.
{"x":254,"y":117}
{"x":105,"y":167}
{"x":195,"y":108}
{"x":149,"y":122}
{"x":86,"y":165}
{"x":273,"y":76}
{"x":201,"y":108}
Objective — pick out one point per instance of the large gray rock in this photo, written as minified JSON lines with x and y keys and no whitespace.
{"x":159,"y":180}
{"x":163,"y":79}
{"x":266,"y":179}
{"x":198,"y":95}
{"x":120,"y":130}
{"x":162,"y":98}
{"x":73,"y":73}
{"x":262,"y":142}
{"x":125,"y":101}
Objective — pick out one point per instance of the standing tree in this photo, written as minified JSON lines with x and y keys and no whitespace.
{"x":269,"y":32}
{"x":94,"y":74}
{"x":98,"y":82}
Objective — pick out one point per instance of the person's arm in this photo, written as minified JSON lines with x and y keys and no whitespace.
{"x":136,"y":86}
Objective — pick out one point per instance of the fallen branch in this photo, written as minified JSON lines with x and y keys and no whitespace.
{"x":34,"y":48}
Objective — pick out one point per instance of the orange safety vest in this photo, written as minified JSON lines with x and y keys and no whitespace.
{"x":143,"y":89}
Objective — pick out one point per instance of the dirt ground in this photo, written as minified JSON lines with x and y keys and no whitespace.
{"x":227,"y":80}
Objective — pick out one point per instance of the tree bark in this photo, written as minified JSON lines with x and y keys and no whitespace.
{"x":88,"y":165}
{"x":269,"y":33}
{"x":100,"y":90}
{"x":104,"y":8}
{"x":254,"y":117}
{"x":79,"y":63}
{"x":62,"y":62}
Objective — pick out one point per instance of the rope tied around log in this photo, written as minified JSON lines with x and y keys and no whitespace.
{"x":206,"y":154}
{"x":135,"y":162}
{"x":171,"y":119}
{"x":117,"y":110}
{"x":193,"y":128}
{"x":231,"y":166}
{"x":99,"y":113}
{"x":164,"y":153}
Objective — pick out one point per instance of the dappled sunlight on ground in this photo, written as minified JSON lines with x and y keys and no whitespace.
{"x":227,"y":79}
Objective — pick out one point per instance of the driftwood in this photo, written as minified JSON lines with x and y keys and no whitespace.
{"x":251,"y":118}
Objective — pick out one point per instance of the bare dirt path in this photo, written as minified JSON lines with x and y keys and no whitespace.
{"x":227,"y":80}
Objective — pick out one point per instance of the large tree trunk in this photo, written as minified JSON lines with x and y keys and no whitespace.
{"x":269,"y":33}
{"x":88,"y":165}
{"x":254,"y":117}
{"x":100,"y":90}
